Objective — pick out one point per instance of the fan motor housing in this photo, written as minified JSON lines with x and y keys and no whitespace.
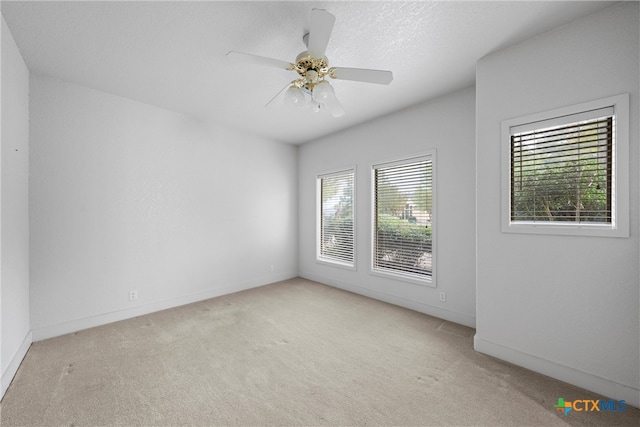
{"x":305,"y":63}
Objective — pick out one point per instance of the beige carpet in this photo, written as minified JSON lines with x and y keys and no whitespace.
{"x":291,"y":353}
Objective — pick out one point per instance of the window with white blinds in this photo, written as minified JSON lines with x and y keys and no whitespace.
{"x":403,"y":218}
{"x":567,"y":170}
{"x":335,"y":237}
{"x":564,"y":172}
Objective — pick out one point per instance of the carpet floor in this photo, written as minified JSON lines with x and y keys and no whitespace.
{"x":292,"y":353}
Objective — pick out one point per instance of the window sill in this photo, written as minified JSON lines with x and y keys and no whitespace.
{"x":410,"y":278}
{"x":336,"y":263}
{"x":566,"y":229}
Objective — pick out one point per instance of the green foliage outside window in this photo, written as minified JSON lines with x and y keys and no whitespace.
{"x":404,"y":244}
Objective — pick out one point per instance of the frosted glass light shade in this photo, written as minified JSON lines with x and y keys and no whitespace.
{"x":294,"y":96}
{"x":323,"y":91}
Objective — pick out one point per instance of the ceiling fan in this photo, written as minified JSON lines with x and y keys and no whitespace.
{"x":311,"y":88}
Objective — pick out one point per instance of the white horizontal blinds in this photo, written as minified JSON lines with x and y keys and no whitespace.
{"x":336,"y":220}
{"x":564,"y":172}
{"x":403,"y":203}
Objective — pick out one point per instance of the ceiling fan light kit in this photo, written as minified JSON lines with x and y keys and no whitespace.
{"x":312,"y":89}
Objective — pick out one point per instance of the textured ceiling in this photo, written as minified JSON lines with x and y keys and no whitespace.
{"x":172,"y":54}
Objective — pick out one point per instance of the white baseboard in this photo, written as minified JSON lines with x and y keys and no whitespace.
{"x":451,"y":316}
{"x":14,"y":364}
{"x":603,"y":386}
{"x":50,"y":331}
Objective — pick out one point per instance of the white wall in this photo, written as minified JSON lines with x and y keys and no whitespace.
{"x":15,"y":334}
{"x":125,"y":196}
{"x":562,"y":305}
{"x":446,"y":125}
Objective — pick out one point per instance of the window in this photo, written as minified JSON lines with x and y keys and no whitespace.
{"x":565,"y":169}
{"x":335,"y":241}
{"x":403,"y":207}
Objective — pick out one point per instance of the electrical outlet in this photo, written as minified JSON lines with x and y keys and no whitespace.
{"x":133,"y":295}
{"x":443,"y":297}
{"x":271,"y":268}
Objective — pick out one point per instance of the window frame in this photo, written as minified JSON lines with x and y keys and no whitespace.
{"x":619,"y":226}
{"x":320,"y":258}
{"x":430,"y":281}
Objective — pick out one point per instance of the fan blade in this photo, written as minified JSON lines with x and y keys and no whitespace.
{"x":363,"y":75}
{"x":321,"y":26}
{"x":259,"y":60}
